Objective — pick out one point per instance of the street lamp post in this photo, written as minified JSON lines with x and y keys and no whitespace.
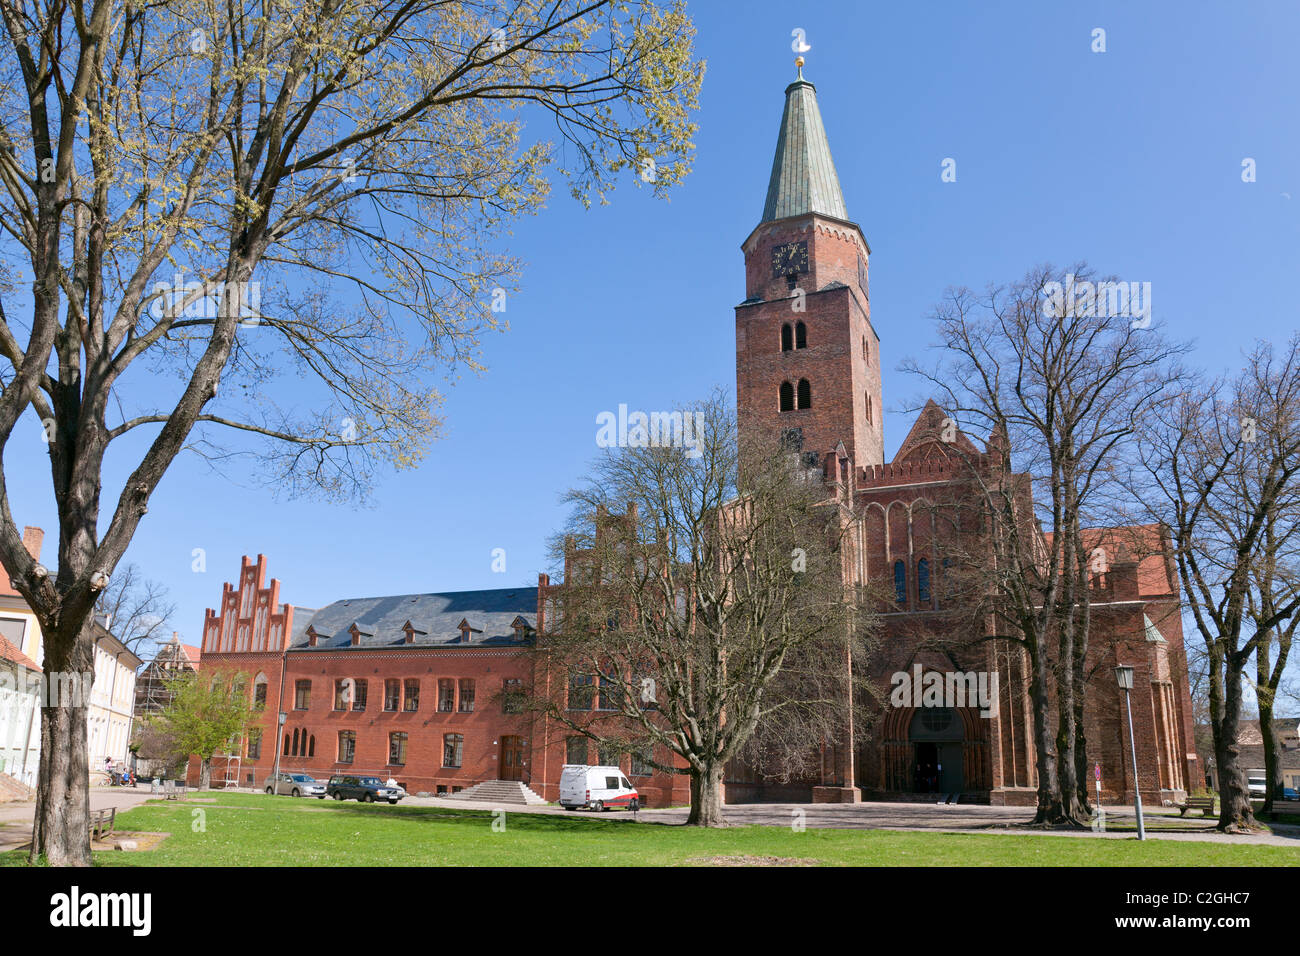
{"x":279,"y":733}
{"x":1124,"y":677}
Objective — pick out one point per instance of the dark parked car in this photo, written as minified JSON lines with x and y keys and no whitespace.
{"x":343,"y":786}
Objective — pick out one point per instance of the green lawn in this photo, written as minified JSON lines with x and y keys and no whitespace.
{"x":258,"y":830}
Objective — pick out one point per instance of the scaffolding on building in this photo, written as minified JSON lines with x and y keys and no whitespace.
{"x":151,"y":694}
{"x":230,"y":772}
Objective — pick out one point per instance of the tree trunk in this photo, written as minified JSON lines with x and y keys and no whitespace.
{"x":1049,"y":800}
{"x":61,"y":828}
{"x":1235,"y":812}
{"x":1264,"y":695}
{"x":205,"y":773}
{"x":706,"y":798}
{"x":1272,"y":765}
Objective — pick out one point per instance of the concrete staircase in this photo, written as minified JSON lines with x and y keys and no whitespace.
{"x":11,"y":789}
{"x":500,"y":791}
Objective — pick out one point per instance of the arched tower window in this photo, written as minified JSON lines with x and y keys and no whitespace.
{"x":294,"y":752}
{"x":868,"y":408}
{"x":311,"y":750}
{"x":866,"y":354}
{"x":787,"y":342}
{"x":900,"y":582}
{"x":923,"y":581}
{"x":787,"y":395}
{"x":805,"y":394}
{"x":800,"y":335}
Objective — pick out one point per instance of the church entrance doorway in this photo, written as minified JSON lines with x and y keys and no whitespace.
{"x":936,"y":738}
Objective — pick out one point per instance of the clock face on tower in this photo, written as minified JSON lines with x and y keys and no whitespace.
{"x":788,"y":258}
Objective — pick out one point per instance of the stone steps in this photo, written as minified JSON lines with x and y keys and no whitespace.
{"x":500,"y":791}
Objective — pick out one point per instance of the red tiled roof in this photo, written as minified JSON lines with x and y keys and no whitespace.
{"x":192,"y":652}
{"x":1146,"y":542}
{"x":9,"y":652}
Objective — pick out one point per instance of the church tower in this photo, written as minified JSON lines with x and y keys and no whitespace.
{"x":807,"y":356}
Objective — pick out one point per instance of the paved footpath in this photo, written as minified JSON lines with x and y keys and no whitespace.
{"x":17,"y":816}
{"x":1161,"y":823}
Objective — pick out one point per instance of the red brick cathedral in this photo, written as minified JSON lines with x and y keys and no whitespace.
{"x":418,"y":686}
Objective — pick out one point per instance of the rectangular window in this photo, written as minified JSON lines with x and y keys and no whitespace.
{"x":412,"y":703}
{"x":575,"y":750}
{"x":359,"y":700}
{"x":611,"y":694}
{"x":397,"y":749}
{"x":466,"y":695}
{"x":255,"y":743}
{"x":341,"y":694}
{"x":302,"y":695}
{"x":580,"y":692}
{"x":641,"y":763}
{"x":14,"y":630}
{"x":392,"y":694}
{"x":452,"y":745}
{"x":347,"y":745}
{"x":446,"y":695}
{"x":512,"y":698}
{"x":608,"y":755}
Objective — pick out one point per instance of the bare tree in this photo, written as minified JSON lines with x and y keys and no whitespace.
{"x":137,"y":608}
{"x":1275,"y":580}
{"x":710,"y":575}
{"x":1055,"y":367}
{"x":1220,"y":465}
{"x":314,"y":191}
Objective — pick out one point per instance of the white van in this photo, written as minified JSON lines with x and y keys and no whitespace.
{"x":596,"y":787}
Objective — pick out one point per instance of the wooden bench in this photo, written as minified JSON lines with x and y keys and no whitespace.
{"x":102,"y":823}
{"x":1204,"y":804}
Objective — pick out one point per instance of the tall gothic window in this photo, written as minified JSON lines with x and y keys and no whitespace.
{"x":787,"y":341}
{"x":800,"y":335}
{"x":900,"y":582}
{"x":787,"y":396}
{"x":923,"y":581}
{"x":805,"y":394}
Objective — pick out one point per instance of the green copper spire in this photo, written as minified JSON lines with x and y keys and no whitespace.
{"x":803,"y":175}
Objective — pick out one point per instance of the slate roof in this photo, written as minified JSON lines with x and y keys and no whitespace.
{"x":435,"y":618}
{"x":803,"y":174}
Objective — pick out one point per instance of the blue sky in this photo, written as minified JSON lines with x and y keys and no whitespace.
{"x":1130,"y":159}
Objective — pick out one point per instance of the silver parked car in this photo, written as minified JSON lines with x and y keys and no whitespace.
{"x":297,"y":785}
